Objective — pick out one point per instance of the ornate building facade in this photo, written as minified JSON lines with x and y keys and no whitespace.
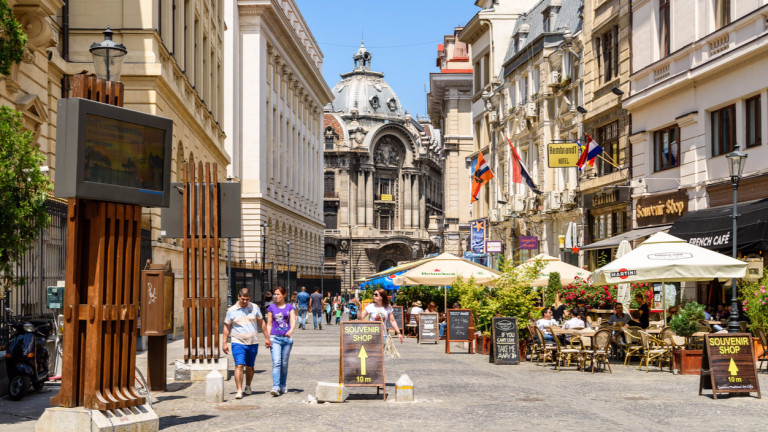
{"x":383,"y":187}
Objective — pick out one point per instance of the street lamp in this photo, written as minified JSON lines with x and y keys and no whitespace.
{"x":343,"y":274}
{"x":108,"y":57}
{"x":736,"y":160}
{"x":288,"y":255}
{"x":264,"y":227}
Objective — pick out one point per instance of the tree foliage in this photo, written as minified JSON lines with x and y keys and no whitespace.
{"x":23,"y":189}
{"x":12,"y":39}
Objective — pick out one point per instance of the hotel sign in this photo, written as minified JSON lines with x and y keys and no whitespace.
{"x":563,"y":155}
{"x":661,"y":209}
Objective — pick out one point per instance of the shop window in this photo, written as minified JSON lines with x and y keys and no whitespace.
{"x":608,"y":138}
{"x":723,"y":130}
{"x":754,"y":125}
{"x":666,"y":148}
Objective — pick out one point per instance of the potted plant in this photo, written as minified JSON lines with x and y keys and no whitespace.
{"x":754,"y":302}
{"x":685,"y":324}
{"x":566,"y":81}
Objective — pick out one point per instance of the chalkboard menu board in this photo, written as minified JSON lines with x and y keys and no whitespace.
{"x":362,"y":354}
{"x":458,"y":329}
{"x":397,"y":311}
{"x":727,"y":365}
{"x":429,"y":327}
{"x":504,"y":341}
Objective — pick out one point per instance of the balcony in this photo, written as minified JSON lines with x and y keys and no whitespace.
{"x":331,"y":196}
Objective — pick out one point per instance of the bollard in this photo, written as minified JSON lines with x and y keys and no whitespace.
{"x":214,"y":387}
{"x":404,"y":389}
{"x":331,"y":392}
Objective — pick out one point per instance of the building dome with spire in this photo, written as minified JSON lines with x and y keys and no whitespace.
{"x":365,"y":90}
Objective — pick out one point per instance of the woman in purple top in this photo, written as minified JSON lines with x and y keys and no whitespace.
{"x":281,"y":320}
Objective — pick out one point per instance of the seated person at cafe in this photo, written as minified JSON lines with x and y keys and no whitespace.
{"x":671,"y":311}
{"x":722,"y":312}
{"x":545,"y":323}
{"x":644,"y":311}
{"x":431,"y":307}
{"x":635,"y":319}
{"x":576,"y":321}
{"x":415,"y":311}
{"x":618,"y":317}
{"x":708,"y":312}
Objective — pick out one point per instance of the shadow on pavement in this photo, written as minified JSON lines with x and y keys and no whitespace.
{"x":172,"y":420}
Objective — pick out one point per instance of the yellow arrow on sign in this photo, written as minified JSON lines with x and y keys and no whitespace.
{"x":363,"y":355}
{"x":732,"y":367}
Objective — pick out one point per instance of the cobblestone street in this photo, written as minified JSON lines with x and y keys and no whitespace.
{"x":453,"y":392}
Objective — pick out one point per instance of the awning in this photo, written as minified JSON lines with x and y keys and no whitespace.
{"x":634,"y":234}
{"x":712,"y":228}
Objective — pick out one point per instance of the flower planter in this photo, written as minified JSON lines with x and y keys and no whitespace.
{"x":757,"y":348}
{"x":688,"y":362}
{"x":483,"y":345}
{"x":523,"y":347}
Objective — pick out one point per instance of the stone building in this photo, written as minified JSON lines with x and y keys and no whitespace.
{"x":450,"y":102}
{"x":383,"y":186}
{"x":275,"y":119}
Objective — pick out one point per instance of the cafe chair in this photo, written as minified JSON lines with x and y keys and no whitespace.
{"x":546,"y":350}
{"x":634,"y":346}
{"x":761,"y":336}
{"x":654,"y":351}
{"x":601,"y":347}
{"x":672,"y":340}
{"x":564,"y":355}
{"x":412,"y":328}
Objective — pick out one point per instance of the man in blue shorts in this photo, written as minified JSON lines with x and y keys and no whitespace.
{"x":302,"y":304}
{"x":242,"y":323}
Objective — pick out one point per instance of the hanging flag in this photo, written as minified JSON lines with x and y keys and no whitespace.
{"x":519,"y":172}
{"x":569,"y":236}
{"x":589,"y":153}
{"x":481,"y":176}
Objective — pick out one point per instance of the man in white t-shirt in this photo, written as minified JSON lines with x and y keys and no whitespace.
{"x":415,"y":311}
{"x":545,"y":323}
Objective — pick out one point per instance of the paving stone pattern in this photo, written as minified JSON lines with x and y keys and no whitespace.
{"x":452,"y":392}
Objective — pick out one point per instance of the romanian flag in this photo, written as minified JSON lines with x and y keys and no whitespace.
{"x":519,"y":172}
{"x":481,"y":176}
{"x":589,"y":153}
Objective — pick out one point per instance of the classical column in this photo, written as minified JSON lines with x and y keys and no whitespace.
{"x":416,"y":204}
{"x":352,"y":199}
{"x":369,"y":198}
{"x":406,"y":202}
{"x":361,"y":197}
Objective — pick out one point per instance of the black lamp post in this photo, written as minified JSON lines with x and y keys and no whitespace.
{"x":343,"y":275}
{"x":288,"y":255}
{"x":264,"y":227}
{"x":736,"y":160}
{"x":108,"y":57}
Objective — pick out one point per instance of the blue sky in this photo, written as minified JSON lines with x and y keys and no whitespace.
{"x":402,"y":36}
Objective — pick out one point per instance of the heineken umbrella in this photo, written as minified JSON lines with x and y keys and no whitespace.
{"x":568,"y":273}
{"x":667,"y":258}
{"x":443,"y":270}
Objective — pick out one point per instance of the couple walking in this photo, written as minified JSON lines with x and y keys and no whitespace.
{"x":241,"y":323}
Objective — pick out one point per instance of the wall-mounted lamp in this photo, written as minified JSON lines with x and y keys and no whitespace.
{"x":581,"y":109}
{"x":616,"y":91}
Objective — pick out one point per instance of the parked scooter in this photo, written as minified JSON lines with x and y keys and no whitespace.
{"x":26,"y":358}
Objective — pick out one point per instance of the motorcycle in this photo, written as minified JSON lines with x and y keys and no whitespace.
{"x":26,"y":358}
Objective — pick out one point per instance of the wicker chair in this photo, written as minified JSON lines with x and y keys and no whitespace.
{"x":565,"y":354}
{"x":535,"y":349}
{"x":600,"y":349}
{"x":546,"y":351}
{"x":654,"y":350}
{"x":760,"y":333}
{"x":672,"y":340}
{"x":634,"y":346}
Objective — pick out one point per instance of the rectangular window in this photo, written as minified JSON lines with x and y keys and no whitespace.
{"x":723,"y":130}
{"x":385,"y":220}
{"x":754,"y":125}
{"x":609,"y":51}
{"x":666,"y":148}
{"x":329,"y":184}
{"x":476,"y":73}
{"x":664,"y":37}
{"x":486,"y":69}
{"x":331,"y":216}
{"x":608,"y":138}
{"x":722,"y":13}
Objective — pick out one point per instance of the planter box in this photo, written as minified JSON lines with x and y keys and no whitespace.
{"x":483,"y":345}
{"x":757,"y":348}
{"x":688,"y":362}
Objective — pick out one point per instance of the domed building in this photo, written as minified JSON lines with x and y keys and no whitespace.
{"x":383,"y":200}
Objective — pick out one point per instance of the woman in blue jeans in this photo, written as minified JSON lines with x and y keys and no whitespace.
{"x":281,"y":320}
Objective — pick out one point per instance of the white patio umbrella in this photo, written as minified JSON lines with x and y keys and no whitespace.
{"x":668,"y":258}
{"x":568,"y":273}
{"x":443,"y":270}
{"x":623,"y":290}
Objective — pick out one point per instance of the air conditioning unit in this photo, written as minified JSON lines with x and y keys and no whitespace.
{"x":495,"y":216}
{"x":570,"y":197}
{"x":530,"y":110}
{"x":531,"y":204}
{"x":517,"y":205}
{"x":555,"y":80}
{"x":553,"y":201}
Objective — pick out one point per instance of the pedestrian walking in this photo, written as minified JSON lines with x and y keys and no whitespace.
{"x":316,"y":306}
{"x":281,"y":321}
{"x":339,"y":311}
{"x":242,"y":322}
{"x":327,"y":308}
{"x":380,"y":310}
{"x":302,"y":304}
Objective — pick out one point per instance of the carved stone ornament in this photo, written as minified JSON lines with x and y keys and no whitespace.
{"x":34,"y":21}
{"x":358,"y":134}
{"x":374,"y":102}
{"x":386,"y":154}
{"x":392,"y":104}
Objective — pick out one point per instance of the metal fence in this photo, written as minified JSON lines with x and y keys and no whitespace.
{"x":42,"y":266}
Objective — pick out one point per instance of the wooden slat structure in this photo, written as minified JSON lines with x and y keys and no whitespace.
{"x":200,"y":227}
{"x":101,"y":291}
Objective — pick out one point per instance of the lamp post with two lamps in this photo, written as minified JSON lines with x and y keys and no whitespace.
{"x":736,"y":160}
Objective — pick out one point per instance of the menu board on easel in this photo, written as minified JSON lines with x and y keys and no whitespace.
{"x":504,"y":341}
{"x":362,"y":354}
{"x":428,"y":328}
{"x":727,"y":365}
{"x":458,"y":328}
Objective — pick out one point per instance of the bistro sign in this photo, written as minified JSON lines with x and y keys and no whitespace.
{"x":661,"y":209}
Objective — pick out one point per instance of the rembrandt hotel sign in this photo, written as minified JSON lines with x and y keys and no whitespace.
{"x":661,"y":209}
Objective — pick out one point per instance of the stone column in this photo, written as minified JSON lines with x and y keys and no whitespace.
{"x":361,"y":197}
{"x":352,"y":199}
{"x":406,"y":202}
{"x":369,"y":198}
{"x":415,"y":202}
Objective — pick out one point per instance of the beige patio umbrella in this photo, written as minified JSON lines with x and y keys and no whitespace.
{"x":443,"y":270}
{"x":568,"y":273}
